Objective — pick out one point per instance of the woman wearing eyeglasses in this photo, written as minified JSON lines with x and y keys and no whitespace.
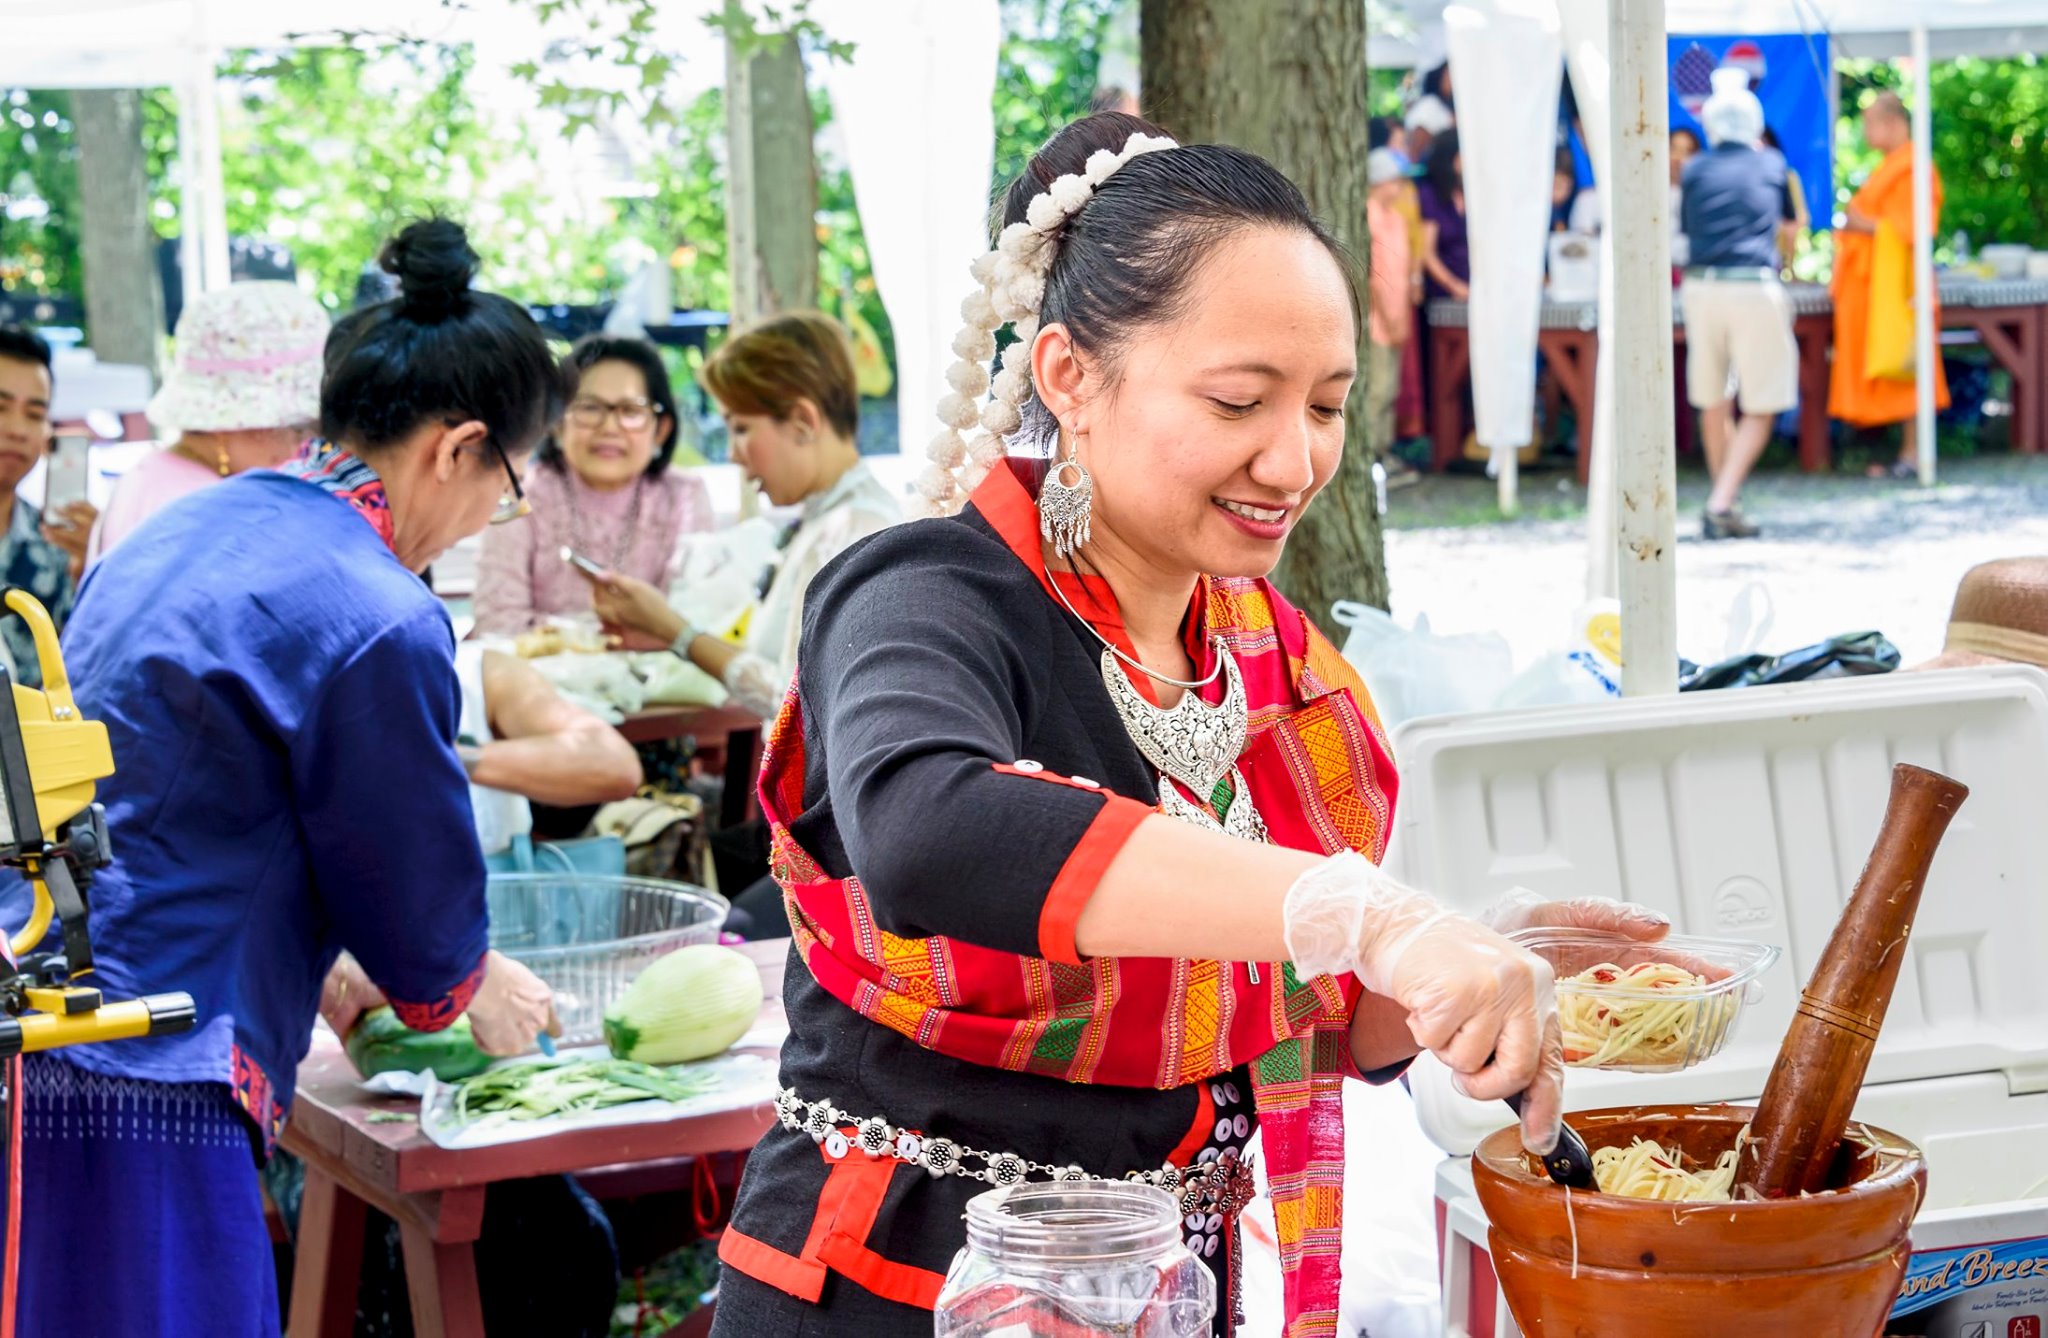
{"x":602,"y":489}
{"x":279,"y":687}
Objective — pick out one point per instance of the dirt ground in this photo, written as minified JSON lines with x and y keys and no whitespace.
{"x":1839,"y":553}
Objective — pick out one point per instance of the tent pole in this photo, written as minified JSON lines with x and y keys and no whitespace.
{"x":1925,"y":345}
{"x":206,"y":129}
{"x":191,"y":193}
{"x":1638,"y":199}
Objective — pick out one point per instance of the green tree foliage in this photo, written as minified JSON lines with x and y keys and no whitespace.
{"x":329,"y":149}
{"x":38,"y":192}
{"x":1047,"y":70}
{"x":1990,"y":127}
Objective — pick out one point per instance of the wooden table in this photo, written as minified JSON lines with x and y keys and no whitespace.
{"x":2008,"y":317}
{"x":1572,"y":352}
{"x":437,"y":1195}
{"x":725,"y":735}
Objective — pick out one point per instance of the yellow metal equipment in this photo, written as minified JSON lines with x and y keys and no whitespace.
{"x":53,"y":832}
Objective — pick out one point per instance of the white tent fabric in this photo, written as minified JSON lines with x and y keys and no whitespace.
{"x":916,"y":105}
{"x":1584,"y":25}
{"x":1512,"y":49}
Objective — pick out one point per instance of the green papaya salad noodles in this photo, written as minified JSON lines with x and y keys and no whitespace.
{"x":1611,"y":1015}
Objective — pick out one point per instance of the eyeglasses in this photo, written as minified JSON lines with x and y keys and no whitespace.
{"x":633,"y":414}
{"x":513,"y":504}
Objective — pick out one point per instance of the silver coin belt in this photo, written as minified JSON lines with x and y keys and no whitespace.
{"x":1198,"y":1188}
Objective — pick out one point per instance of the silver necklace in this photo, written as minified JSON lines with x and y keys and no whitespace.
{"x":622,"y":543}
{"x":1135,"y":663}
{"x":1192,"y":742}
{"x":1195,"y":743}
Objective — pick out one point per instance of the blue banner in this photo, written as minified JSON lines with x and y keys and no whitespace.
{"x":1789,"y":75}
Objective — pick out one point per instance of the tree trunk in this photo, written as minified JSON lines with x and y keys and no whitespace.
{"x":1286,"y":80}
{"x":124,"y":300}
{"x":772,"y":182}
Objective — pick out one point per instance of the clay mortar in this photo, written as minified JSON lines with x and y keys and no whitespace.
{"x":1826,"y":1265}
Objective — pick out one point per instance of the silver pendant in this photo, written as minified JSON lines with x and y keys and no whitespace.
{"x":1195,"y":743}
{"x":1241,"y":819}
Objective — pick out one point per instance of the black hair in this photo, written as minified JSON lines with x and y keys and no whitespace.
{"x":1379,"y":132}
{"x":1442,"y":170}
{"x":593,"y":349}
{"x":1433,"y":83}
{"x":1770,"y":139}
{"x":18,"y":343}
{"x":1125,"y":258}
{"x":438,"y":350}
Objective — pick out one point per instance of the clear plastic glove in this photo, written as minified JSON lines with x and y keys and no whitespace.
{"x":1519,"y":908}
{"x":511,"y":1007}
{"x":1484,"y":1006}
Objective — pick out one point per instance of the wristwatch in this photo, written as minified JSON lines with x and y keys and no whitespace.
{"x":680,"y":647}
{"x":470,"y":755}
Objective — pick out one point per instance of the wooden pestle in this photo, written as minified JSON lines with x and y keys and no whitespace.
{"x":1805,"y":1107}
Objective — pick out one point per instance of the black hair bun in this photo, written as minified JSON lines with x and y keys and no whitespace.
{"x":434,"y":265}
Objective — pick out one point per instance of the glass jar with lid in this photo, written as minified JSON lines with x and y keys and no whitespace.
{"x":1081,"y":1257}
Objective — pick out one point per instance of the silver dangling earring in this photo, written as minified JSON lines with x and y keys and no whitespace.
{"x":1063,"y":507}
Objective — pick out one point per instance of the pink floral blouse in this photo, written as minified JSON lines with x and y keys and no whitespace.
{"x":521,"y":578}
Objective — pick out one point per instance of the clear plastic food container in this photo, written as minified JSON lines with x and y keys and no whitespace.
{"x":1076,"y":1259}
{"x":1623,"y":1006}
{"x":588,"y":935}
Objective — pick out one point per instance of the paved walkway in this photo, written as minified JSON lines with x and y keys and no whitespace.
{"x":1838,"y":555}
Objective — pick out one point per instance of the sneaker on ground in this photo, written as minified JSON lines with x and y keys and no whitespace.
{"x":1729,"y":524}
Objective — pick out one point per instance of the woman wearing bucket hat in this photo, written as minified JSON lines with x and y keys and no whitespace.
{"x":243,"y":393}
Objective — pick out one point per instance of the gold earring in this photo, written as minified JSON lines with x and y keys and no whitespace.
{"x":221,"y":462}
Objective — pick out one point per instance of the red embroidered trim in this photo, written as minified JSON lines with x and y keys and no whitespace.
{"x":443,"y":1011}
{"x":848,"y":1205}
{"x":255,"y":1095}
{"x":1082,"y":874}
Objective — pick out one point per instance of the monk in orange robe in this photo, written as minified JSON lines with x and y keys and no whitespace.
{"x":1887,"y":197}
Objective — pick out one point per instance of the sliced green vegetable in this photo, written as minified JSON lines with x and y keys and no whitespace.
{"x":537,"y":1089}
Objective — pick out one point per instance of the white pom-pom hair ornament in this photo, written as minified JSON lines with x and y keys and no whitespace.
{"x":948,"y":449}
{"x":969,"y":378}
{"x":956,"y":410}
{"x":1001,"y":419}
{"x":1010,"y":288}
{"x":979,"y":345}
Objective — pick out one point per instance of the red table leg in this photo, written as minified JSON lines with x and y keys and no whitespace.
{"x":1573,"y":356}
{"x":2030,"y":333}
{"x":440,"y":1266}
{"x":1815,"y":334}
{"x":1450,"y":361}
{"x":329,"y":1259}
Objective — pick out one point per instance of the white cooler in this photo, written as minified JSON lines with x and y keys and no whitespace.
{"x":1748,"y":814}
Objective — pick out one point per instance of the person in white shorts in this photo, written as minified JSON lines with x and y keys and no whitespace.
{"x":1738,"y":318}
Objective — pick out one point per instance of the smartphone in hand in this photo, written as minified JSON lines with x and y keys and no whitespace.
{"x":590,"y":570}
{"x":67,"y":472}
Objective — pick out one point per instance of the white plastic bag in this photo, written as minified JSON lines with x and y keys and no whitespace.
{"x":1414,"y":672}
{"x":718,"y":575}
{"x":671,"y":680}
